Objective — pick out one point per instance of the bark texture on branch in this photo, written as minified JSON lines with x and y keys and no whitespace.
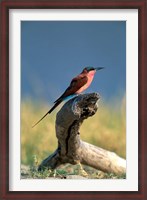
{"x":71,"y":149}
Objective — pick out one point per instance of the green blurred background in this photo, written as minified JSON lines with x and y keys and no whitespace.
{"x":106,"y":129}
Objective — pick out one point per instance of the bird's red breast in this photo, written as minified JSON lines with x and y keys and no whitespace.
{"x":90,"y":76}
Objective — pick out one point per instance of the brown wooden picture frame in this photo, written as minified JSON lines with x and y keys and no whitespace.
{"x":6,"y":5}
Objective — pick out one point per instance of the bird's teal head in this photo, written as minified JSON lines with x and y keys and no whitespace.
{"x":90,"y":68}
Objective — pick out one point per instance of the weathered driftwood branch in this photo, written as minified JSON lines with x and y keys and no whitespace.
{"x":71,"y":149}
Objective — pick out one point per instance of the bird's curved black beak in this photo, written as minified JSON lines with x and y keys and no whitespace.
{"x":98,"y":68}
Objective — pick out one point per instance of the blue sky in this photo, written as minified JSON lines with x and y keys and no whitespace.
{"x":53,"y":52}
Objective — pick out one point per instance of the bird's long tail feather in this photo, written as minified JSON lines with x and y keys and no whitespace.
{"x":56,"y":104}
{"x":40,"y":119}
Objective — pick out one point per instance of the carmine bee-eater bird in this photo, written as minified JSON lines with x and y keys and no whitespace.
{"x":77,"y":85}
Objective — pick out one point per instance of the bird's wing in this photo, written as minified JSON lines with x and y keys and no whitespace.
{"x":75,"y":85}
{"x":78,"y":82}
